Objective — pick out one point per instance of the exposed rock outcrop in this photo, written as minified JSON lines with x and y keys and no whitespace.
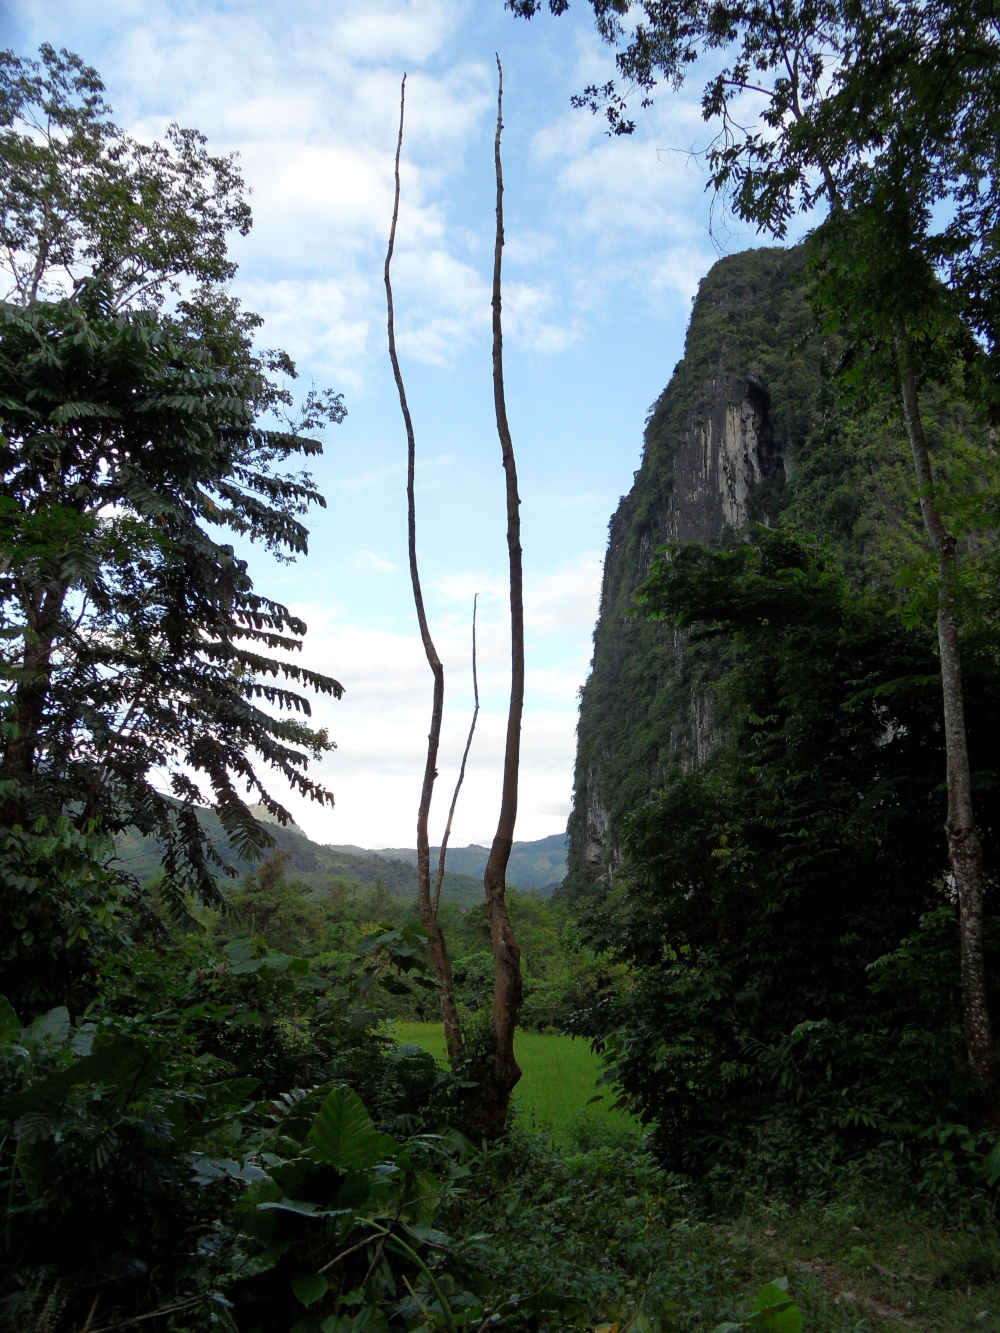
{"x":717,"y":445}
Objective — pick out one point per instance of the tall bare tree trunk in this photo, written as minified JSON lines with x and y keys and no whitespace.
{"x":964,"y":848}
{"x":427,"y":905}
{"x":499,"y":1081}
{"x":506,"y":954}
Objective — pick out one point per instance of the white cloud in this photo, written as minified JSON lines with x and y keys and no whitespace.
{"x":326,"y":323}
{"x":567,"y":597}
{"x":629,"y":186}
{"x":310,"y":100}
{"x":528,"y":246}
{"x":558,"y":684}
{"x":436,"y":341}
{"x":379,"y":563}
{"x":381,"y":724}
{"x":375,"y":776}
{"x":387,"y":30}
{"x":370,"y":477}
{"x":524,"y":306}
{"x":570,"y":136}
{"x":380,"y":728}
{"x":679,"y":271}
{"x":559,"y":599}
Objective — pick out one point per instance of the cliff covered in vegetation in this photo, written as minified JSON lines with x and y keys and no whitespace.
{"x":751,"y":428}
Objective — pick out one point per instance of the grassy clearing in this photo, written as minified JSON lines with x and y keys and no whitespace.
{"x":855,"y":1263}
{"x":619,"y":1242}
{"x":558,"y":1084}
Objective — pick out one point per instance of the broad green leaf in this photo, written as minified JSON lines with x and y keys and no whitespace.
{"x":774,"y":1310}
{"x":344,"y":1135}
{"x":425,"y":1198}
{"x":70,"y":411}
{"x":208,"y":1169}
{"x":783,"y":1318}
{"x":991,"y":1165}
{"x":310,"y":1288}
{"x":10,"y":1027}
{"x":302,"y":1207}
{"x":772,"y":1293}
{"x":426,"y":1235}
{"x":369,"y":1319}
{"x":355,"y":1191}
{"x":216,"y":1168}
{"x":82,"y":1042}
{"x":124,"y":1063}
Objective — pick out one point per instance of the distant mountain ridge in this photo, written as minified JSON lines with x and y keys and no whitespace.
{"x":539,"y":866}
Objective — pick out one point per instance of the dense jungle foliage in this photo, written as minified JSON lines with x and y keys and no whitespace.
{"x":793,"y":974}
{"x":206,"y":1122}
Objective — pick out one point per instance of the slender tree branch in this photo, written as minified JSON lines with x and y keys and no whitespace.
{"x":439,"y":880}
{"x":189,"y":1304}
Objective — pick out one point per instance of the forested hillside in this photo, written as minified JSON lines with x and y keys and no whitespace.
{"x":539,"y":865}
{"x":311,"y":862}
{"x":719,"y":444}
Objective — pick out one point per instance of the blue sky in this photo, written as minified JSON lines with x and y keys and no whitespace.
{"x":606,"y":241}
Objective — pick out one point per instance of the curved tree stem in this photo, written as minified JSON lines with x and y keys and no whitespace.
{"x":427,"y":907}
{"x":506,"y":954}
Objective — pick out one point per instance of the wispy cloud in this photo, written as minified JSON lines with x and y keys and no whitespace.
{"x":379,"y":563}
{"x":380,"y":727}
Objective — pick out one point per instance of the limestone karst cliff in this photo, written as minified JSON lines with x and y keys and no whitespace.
{"x":720,"y":445}
{"x":751,"y":428}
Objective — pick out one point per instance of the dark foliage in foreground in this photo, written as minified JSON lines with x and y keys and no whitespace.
{"x":793,"y":1000}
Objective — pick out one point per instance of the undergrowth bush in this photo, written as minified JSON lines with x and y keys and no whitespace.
{"x":213,"y":1111}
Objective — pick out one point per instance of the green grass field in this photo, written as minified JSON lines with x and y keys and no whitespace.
{"x":557,"y":1086}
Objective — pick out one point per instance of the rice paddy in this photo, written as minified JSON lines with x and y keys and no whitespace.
{"x":559,"y":1091}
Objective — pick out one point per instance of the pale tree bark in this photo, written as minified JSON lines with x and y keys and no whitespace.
{"x":964,"y":847}
{"x":506,"y":954}
{"x":427,"y":904}
{"x":965,"y":852}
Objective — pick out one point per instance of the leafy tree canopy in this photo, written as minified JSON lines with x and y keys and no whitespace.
{"x":132,"y":641}
{"x":79,"y":196}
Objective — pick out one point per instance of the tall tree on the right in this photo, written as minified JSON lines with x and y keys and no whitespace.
{"x":886,"y":115}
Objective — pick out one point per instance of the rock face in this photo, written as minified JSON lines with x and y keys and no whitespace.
{"x":718,"y":445}
{"x":722,"y":457}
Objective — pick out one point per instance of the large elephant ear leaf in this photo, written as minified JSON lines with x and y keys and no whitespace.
{"x":344,"y":1136}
